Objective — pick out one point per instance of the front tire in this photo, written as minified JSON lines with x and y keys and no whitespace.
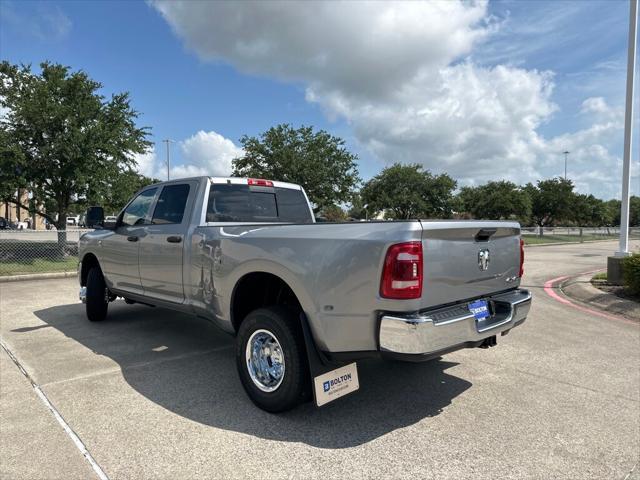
{"x":270,"y":358}
{"x":97,"y":301}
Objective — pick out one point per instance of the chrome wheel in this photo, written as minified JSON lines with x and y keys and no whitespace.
{"x":265,"y":360}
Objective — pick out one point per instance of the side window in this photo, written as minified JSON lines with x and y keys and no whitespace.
{"x":171,"y":204}
{"x":138,"y":209}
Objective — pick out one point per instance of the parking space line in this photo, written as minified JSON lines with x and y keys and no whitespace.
{"x":65,"y":426}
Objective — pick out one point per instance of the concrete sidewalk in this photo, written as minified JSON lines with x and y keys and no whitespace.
{"x":33,"y":445}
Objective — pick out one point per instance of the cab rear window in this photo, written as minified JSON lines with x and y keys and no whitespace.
{"x":243,"y":203}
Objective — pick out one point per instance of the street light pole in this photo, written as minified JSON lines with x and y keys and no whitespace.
{"x":623,"y":249}
{"x":168,"y":141}
{"x":566,"y":155}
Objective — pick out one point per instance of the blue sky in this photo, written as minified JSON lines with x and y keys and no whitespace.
{"x":481,"y":91}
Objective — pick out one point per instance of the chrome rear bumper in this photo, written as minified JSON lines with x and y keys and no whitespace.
{"x":442,"y":329}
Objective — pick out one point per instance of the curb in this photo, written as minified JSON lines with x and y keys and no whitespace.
{"x":36,"y":276}
{"x":580,"y":289}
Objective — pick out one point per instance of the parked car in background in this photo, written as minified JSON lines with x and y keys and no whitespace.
{"x":3,"y":223}
{"x":73,"y":220}
{"x":305,"y":300}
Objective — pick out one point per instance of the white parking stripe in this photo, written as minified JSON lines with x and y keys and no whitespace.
{"x":74,"y":437}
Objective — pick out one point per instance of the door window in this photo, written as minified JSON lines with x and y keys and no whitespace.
{"x":137,"y":210}
{"x":171,"y":204}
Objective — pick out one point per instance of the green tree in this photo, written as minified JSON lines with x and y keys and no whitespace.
{"x":551,"y":201}
{"x":11,"y":167}
{"x":613,"y":212}
{"x":589,"y":211}
{"x":634,"y":211}
{"x":408,"y":191}
{"x":114,"y":193}
{"x":316,"y":160}
{"x":333,"y":213}
{"x":357,"y":209}
{"x":69,"y":139}
{"x":496,"y":201}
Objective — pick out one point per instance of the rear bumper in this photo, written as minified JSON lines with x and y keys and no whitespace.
{"x":445,"y":329}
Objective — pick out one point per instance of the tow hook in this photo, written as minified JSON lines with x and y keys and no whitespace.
{"x":489,"y":342}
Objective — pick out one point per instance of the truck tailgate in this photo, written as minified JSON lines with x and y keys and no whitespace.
{"x":468,"y":259}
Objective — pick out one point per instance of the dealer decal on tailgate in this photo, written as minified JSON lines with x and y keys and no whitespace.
{"x":336,"y":383}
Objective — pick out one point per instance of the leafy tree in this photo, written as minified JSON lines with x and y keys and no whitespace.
{"x":496,"y":201}
{"x":589,"y":211}
{"x":551,"y":201}
{"x":316,"y":160}
{"x":408,"y":191}
{"x":114,"y":193}
{"x":11,"y":166}
{"x":67,"y":138}
{"x":357,"y":209}
{"x":613,"y":212}
{"x":333,"y":213}
{"x":634,"y":211}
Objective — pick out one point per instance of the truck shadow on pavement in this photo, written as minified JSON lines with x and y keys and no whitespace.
{"x":187,"y":366}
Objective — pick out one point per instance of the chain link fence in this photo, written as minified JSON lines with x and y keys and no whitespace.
{"x":536,"y":235}
{"x":38,"y":251}
{"x":31,"y":251}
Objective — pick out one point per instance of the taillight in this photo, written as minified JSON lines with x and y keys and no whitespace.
{"x":402,"y":273}
{"x":260,"y":182}
{"x":521,"y":258}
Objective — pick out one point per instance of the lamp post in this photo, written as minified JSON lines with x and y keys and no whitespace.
{"x":168,"y":141}
{"x":623,"y":249}
{"x":566,"y":155}
{"x":614,"y":264}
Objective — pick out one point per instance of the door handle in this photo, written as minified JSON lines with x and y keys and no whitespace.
{"x":174,"y":239}
{"x":132,"y":238}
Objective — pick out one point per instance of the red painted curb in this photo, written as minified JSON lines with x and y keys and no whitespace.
{"x":549,"y":289}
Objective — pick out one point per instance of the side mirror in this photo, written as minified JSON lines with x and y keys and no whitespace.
{"x":94,"y":217}
{"x":110,"y":224}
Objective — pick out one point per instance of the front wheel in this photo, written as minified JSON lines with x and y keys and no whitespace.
{"x":271,"y":359}
{"x":97,"y":296}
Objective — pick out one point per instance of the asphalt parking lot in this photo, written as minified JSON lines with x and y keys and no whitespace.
{"x":154,"y":394}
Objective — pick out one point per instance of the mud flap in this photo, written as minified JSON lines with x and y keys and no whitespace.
{"x":329,"y":380}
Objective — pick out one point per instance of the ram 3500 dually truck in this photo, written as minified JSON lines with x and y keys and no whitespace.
{"x":305,"y":300}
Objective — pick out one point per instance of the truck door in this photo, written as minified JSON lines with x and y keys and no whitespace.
{"x":161,"y":249}
{"x":119,"y":251}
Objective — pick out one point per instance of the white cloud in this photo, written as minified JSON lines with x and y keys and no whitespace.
{"x":204,"y":153}
{"x":402,"y":75}
{"x":596,"y":105}
{"x":48,"y":22}
{"x":365,"y":48}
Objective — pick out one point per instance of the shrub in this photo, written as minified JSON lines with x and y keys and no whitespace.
{"x":631,"y":272}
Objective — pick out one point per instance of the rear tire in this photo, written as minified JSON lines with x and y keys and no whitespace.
{"x":97,"y":303}
{"x":278,"y":330}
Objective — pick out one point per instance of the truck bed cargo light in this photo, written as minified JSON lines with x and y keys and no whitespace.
{"x":259,"y":182}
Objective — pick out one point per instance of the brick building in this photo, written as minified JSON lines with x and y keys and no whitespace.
{"x":14,"y":214}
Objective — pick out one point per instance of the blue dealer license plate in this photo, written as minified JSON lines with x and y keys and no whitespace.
{"x":480,"y":309}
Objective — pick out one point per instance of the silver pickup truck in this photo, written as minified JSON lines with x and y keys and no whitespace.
{"x":305,"y":300}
